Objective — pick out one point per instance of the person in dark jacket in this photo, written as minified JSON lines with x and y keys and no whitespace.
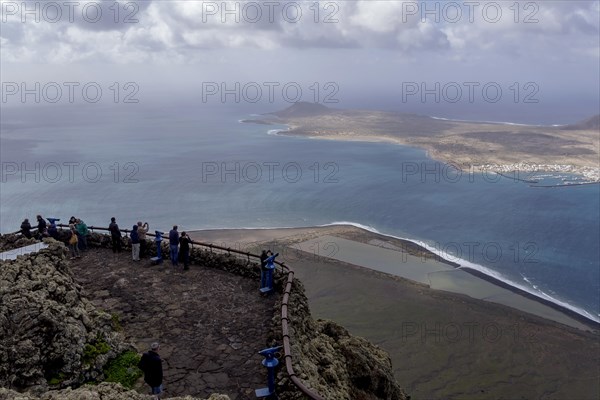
{"x":173,"y":245}
{"x":115,"y":235}
{"x":151,"y":365}
{"x":135,"y":243}
{"x":26,"y":228}
{"x":184,"y":249}
{"x":42,"y":231}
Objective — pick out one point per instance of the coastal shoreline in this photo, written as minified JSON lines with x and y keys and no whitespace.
{"x":442,"y":344}
{"x":246,"y":239}
{"x":591,"y":175}
{"x":493,"y":162}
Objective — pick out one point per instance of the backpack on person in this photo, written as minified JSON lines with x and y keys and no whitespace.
{"x":73,"y":239}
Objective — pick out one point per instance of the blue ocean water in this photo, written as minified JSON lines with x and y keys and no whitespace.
{"x":202,"y":169}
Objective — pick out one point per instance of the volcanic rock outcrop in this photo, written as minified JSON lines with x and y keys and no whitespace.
{"x":50,"y":335}
{"x":103,"y":391}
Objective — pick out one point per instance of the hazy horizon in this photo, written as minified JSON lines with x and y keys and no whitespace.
{"x":524,"y":62}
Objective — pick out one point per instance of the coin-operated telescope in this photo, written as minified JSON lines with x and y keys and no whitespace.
{"x":157,"y":239}
{"x":267,"y":271}
{"x":270,"y":362}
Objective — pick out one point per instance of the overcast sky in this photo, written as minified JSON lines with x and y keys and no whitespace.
{"x":377,"y":51}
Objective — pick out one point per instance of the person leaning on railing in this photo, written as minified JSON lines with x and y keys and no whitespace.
{"x":115,"y":235}
{"x":26,"y":228}
{"x":42,"y":231}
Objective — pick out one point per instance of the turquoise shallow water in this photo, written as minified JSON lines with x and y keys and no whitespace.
{"x":202,"y":169}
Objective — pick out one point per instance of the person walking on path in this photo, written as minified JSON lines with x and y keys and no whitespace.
{"x":173,"y":245}
{"x":26,"y":228}
{"x":115,"y":235}
{"x":184,"y":249}
{"x":83,"y":232}
{"x":142,"y":230}
{"x":73,"y":240}
{"x":151,"y":366}
{"x":135,"y":243}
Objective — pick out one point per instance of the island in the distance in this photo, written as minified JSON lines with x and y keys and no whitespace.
{"x":489,"y":146}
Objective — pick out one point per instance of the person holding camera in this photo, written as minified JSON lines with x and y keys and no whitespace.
{"x":184,"y":249}
{"x":142,"y":230}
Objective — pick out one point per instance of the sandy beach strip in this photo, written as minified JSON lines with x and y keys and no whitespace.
{"x":443,"y":343}
{"x":359,"y":247}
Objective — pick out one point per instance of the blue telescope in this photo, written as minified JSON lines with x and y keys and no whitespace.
{"x":157,"y":238}
{"x":270,"y":362}
{"x":266,"y":279}
{"x":53,"y":221}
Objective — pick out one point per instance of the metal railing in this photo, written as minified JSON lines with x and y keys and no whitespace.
{"x":285,"y":322}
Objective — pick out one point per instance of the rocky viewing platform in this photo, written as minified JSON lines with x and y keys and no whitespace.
{"x":69,"y":327}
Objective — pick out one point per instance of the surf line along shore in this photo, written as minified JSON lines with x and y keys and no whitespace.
{"x":385,"y":254}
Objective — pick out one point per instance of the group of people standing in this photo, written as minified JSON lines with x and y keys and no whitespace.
{"x":78,"y":232}
{"x":138,"y":238}
{"x":179,"y":246}
{"x":43,"y":230}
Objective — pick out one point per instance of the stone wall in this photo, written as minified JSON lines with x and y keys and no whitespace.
{"x":12,"y":241}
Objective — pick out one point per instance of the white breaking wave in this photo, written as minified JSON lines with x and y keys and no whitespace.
{"x":462,"y":263}
{"x":488,"y":122}
{"x":477,"y":267}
